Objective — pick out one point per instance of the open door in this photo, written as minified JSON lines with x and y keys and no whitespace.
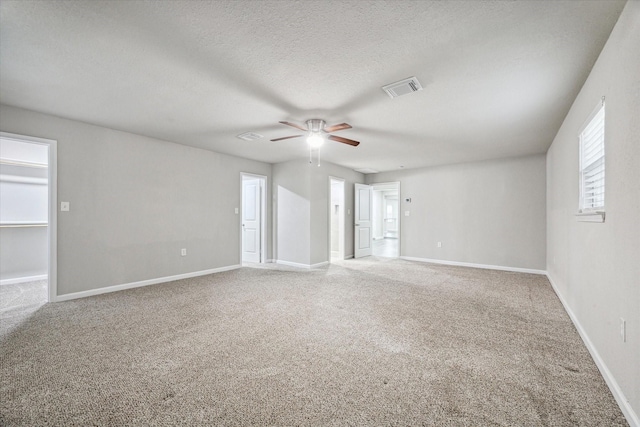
{"x":251,"y":219}
{"x":363,"y":232}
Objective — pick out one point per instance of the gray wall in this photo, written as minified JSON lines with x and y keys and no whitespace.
{"x":596,"y":266}
{"x":302,"y":209}
{"x":490,"y":212}
{"x":292,"y":210}
{"x":135,"y":202}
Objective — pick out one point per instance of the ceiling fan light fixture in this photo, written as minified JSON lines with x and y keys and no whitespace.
{"x":315,"y":140}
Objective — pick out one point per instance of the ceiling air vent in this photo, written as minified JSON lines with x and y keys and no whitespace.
{"x":366,"y":170}
{"x":250,"y":136}
{"x":403,"y":87}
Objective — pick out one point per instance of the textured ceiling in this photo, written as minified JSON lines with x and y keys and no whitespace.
{"x":498,"y":77}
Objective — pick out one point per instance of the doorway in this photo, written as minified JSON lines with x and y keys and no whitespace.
{"x":386,"y":219}
{"x":28,"y":215}
{"x":336,"y":219}
{"x":253,"y":218}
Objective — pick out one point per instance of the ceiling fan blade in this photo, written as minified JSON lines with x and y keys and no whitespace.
{"x":336,"y":128}
{"x":286,"y":137}
{"x":295,"y":126}
{"x":343,"y":140}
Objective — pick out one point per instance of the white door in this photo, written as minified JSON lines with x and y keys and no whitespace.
{"x":363,"y":225}
{"x":251,"y":233}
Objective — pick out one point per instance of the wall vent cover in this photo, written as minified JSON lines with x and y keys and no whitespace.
{"x":250,"y":136}
{"x":403,"y":87}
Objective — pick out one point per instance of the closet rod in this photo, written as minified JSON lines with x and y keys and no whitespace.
{"x":23,"y":224}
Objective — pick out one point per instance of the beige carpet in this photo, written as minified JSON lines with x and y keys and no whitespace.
{"x":384,"y":342}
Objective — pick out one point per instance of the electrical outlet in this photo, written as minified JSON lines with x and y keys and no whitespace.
{"x":439,"y":244}
{"x":623,"y":330}
{"x":64,"y":206}
{"x":183,"y":252}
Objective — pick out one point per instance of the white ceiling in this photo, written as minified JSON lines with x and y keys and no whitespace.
{"x":498,"y":77}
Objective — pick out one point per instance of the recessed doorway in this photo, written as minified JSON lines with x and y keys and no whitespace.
{"x":336,"y":219}
{"x":27,"y":222}
{"x":386,"y":219}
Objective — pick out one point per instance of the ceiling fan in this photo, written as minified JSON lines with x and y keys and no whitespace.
{"x":317,"y":131}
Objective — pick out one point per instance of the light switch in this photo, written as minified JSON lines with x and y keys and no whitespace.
{"x":348,"y":211}
{"x":237,"y":211}
{"x":64,"y":206}
{"x":406,"y":213}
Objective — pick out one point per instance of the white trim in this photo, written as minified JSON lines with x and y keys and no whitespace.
{"x":141,"y":283}
{"x":26,"y":279}
{"x":300,"y":265}
{"x":470,"y":264}
{"x":292,"y":264}
{"x":271,"y":260}
{"x":52,"y":230}
{"x":320,"y":264}
{"x":593,"y":216}
{"x":623,"y":402}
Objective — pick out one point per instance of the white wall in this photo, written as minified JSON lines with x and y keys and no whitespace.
{"x":337,"y":217}
{"x":377,"y":214}
{"x":23,"y":253}
{"x":135,"y":202}
{"x":490,"y":212}
{"x":23,"y":199}
{"x":596,"y":266}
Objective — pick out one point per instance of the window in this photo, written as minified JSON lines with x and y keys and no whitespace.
{"x":592,"y":164}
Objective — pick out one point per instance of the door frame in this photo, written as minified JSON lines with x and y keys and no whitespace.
{"x":52,"y":189}
{"x":263,"y":213}
{"x":342,"y":225}
{"x":400,"y":211}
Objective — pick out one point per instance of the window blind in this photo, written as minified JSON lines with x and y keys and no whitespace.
{"x":592,"y":164}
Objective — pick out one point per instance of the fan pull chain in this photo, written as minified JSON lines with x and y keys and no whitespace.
{"x":310,"y":159}
{"x":318,"y":157}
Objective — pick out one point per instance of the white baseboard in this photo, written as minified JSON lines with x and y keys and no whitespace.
{"x":320,"y":264}
{"x":300,"y":265}
{"x":17,"y":280}
{"x":469,"y":264}
{"x":115,"y":288}
{"x":292,"y":264}
{"x":623,"y":402}
{"x":348,"y":256}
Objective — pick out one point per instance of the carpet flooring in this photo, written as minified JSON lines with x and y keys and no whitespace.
{"x":20,"y":296}
{"x":362,"y":342}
